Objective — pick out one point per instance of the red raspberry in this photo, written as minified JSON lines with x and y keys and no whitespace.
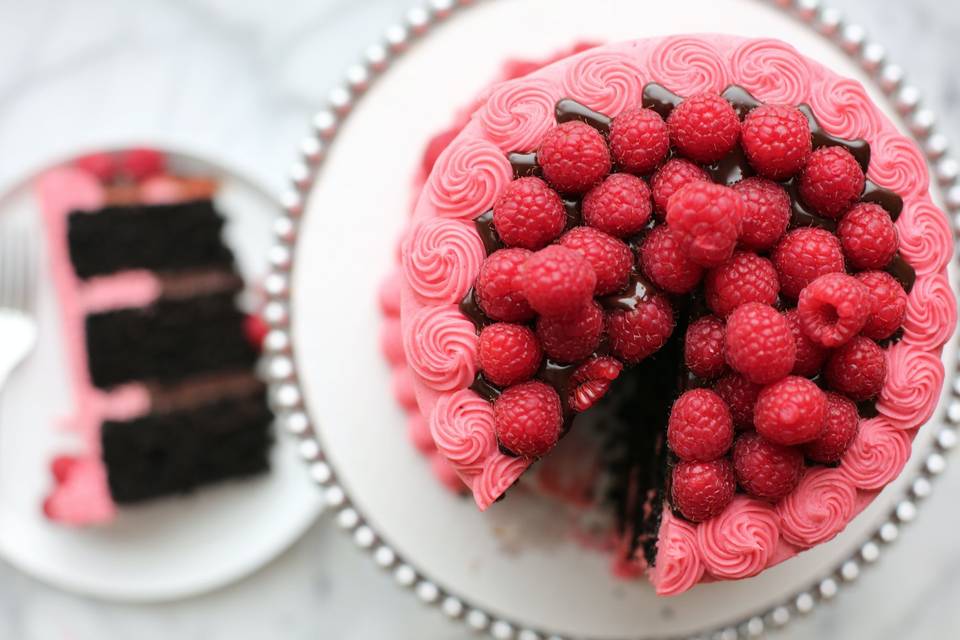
{"x":611,"y":258}
{"x":746,"y":277}
{"x":706,"y":218}
{"x":508,"y":353}
{"x":740,"y":395}
{"x":839,"y":431}
{"x":804,"y":255}
{"x":592,"y":380}
{"x":766,"y":212}
{"x":776,"y":139}
{"x":557,"y":280}
{"x":641,"y":331}
{"x":499,"y":287}
{"x":703,"y":348}
{"x":702,"y":490}
{"x":103,"y":166}
{"x":140,"y":164}
{"x":620,"y":205}
{"x":574,"y":157}
{"x":857,"y":369}
{"x":759,"y":344}
{"x":704,"y":127}
{"x":573,"y":336}
{"x":868,"y":237}
{"x":765,"y":469}
{"x":666,"y":264}
{"x":528,"y":418}
{"x":670,"y":178}
{"x":831,"y":181}
{"x":810,"y":355}
{"x":255,"y":330}
{"x":639,"y":140}
{"x":700,"y":427}
{"x":888,"y":304}
{"x":791,"y":411}
{"x":833,"y":308}
{"x":529,"y":214}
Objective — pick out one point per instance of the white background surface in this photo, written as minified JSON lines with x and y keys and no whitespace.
{"x":239,"y":79}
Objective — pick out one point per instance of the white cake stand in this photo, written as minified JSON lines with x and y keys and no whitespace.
{"x":507,"y":571}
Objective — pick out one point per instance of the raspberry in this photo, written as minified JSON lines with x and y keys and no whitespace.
{"x":704,"y":127}
{"x":888,"y":304}
{"x":641,"y":331}
{"x":706,"y":218}
{"x":574,"y":157}
{"x":839,"y":431}
{"x":557,"y":280}
{"x":639,"y":140}
{"x":740,"y":395}
{"x":746,"y":277}
{"x":766,"y":212}
{"x":528,"y":418}
{"x":765,"y":469}
{"x":499,"y":287}
{"x":857,"y":369}
{"x":868,"y":237}
{"x":791,"y":411}
{"x":776,"y":140}
{"x":102,"y":165}
{"x":572,"y":336}
{"x":255,"y":330}
{"x":759,"y":344}
{"x":620,"y":205}
{"x":508,"y":353}
{"x":833,"y":308}
{"x":702,"y":490}
{"x":703,"y":347}
{"x":670,"y":178}
{"x":611,"y":258}
{"x":810,"y":355}
{"x":831,"y":181}
{"x":140,"y":164}
{"x":700,"y":427}
{"x":804,"y":255}
{"x":666,"y":264}
{"x":529,"y":214}
{"x":592,"y":380}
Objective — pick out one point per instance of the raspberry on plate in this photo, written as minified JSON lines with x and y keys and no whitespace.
{"x":857,"y":369}
{"x":702,"y":490}
{"x":839,"y":431}
{"x":508,"y":353}
{"x":803,"y":255}
{"x":833,"y":308}
{"x":831,"y":181}
{"x":776,"y":140}
{"x":741,"y":397}
{"x":706,"y":218}
{"x":765,"y":469}
{"x":868,"y":237}
{"x":641,"y":331}
{"x":745,"y":277}
{"x":591,"y":381}
{"x":704,"y":127}
{"x":620,"y":205}
{"x":573,"y":157}
{"x":499,"y":286}
{"x":573,"y":336}
{"x":639,"y":140}
{"x":810,"y":355}
{"x":665,"y":262}
{"x":700,"y":428}
{"x":140,"y":164}
{"x":557,"y":280}
{"x":529,"y":214}
{"x":759,"y":344}
{"x":611,"y":258}
{"x":766,"y":212}
{"x":675,"y":174}
{"x":791,"y":411}
{"x":888,"y":304}
{"x":528,"y":418}
{"x":703,"y":347}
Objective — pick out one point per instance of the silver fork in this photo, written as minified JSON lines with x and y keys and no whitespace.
{"x":18,"y":329}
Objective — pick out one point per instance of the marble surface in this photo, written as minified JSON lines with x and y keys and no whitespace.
{"x":237,"y":80}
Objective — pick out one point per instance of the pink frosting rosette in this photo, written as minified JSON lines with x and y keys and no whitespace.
{"x":877,"y":455}
{"x":441,"y":347}
{"x":896,"y":164}
{"x":418,"y":429}
{"x":689,"y":65}
{"x":739,"y":542}
{"x":925,"y":237}
{"x":499,"y":473}
{"x":605,"y":81}
{"x":912,"y":389}
{"x":772,"y":71}
{"x":462,"y":429}
{"x":818,"y":509}
{"x":402,"y":384}
{"x":442,"y":259}
{"x":842,"y":108}
{"x":678,"y":566}
{"x":391,"y":342}
{"x":931,"y":313}
{"x":467,"y":178}
{"x":518,"y":114}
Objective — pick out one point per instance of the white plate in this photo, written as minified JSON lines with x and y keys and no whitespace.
{"x":509,"y":561}
{"x":166,"y":549}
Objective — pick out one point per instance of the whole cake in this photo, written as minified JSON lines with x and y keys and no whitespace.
{"x":717,"y":242}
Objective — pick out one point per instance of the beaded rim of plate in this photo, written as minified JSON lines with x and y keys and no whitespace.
{"x":286,"y":395}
